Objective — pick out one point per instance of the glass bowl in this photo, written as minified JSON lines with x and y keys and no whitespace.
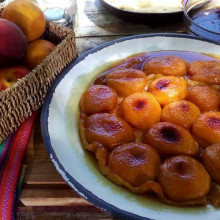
{"x":202,"y":18}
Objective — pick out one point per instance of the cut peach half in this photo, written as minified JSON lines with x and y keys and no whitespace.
{"x":167,"y":89}
{"x":137,"y":110}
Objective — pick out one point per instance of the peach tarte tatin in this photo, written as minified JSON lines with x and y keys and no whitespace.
{"x":153,"y":124}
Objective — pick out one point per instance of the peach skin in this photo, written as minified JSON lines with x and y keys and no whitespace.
{"x":28,"y":16}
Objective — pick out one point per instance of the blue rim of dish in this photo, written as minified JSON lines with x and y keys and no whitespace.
{"x":46,"y":137}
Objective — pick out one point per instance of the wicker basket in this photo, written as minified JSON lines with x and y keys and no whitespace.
{"x":25,"y":96}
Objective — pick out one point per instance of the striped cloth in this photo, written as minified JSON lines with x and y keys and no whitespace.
{"x":12,"y":151}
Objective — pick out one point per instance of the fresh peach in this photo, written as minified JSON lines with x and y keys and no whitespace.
{"x":165,"y":65}
{"x":206,"y":98}
{"x":182,"y":113}
{"x":141,"y":110}
{"x":170,"y":139}
{"x":10,"y":75}
{"x":206,"y":128}
{"x":37,"y":51}
{"x":127,"y":81}
{"x":98,"y":98}
{"x":28,"y":16}
{"x":13,"y":43}
{"x":184,"y":179}
{"x":167,"y":89}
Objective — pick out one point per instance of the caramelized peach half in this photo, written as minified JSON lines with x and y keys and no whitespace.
{"x":165,"y":65}
{"x":167,"y":89}
{"x":182,"y":113}
{"x":207,"y":128}
{"x":171,"y":139}
{"x":137,"y":109}
{"x":108,"y":130}
{"x":211,"y":161}
{"x":205,"y":71}
{"x":135,"y":163}
{"x":98,"y":98}
{"x":184,"y":179}
{"x":206,"y":98}
{"x":127,"y":81}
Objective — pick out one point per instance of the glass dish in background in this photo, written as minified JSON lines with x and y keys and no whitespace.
{"x":63,"y":12}
{"x":202,"y":18}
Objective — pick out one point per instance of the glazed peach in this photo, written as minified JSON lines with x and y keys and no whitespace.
{"x":211,"y":161}
{"x":165,"y":65}
{"x":167,"y":89}
{"x":127,"y":81}
{"x":205,"y":71}
{"x":108,"y":130}
{"x":206,"y":98}
{"x":137,"y":110}
{"x":98,"y":98}
{"x":134,"y":162}
{"x":171,"y":139}
{"x":184,"y":179}
{"x":182,"y":113}
{"x":207,"y":128}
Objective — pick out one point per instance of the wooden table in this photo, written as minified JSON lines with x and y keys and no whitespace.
{"x":45,"y":195}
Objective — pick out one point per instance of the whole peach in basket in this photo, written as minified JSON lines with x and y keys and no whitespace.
{"x":13,"y":43}
{"x":28,"y":16}
{"x":10,"y":75}
{"x":37,"y":51}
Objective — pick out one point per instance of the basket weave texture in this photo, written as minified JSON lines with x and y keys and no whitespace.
{"x":19,"y":101}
